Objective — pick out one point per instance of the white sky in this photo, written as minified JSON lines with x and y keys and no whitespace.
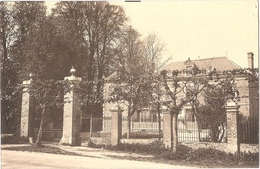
{"x":198,"y":29}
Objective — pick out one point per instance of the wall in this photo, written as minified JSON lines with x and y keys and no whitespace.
{"x":253,"y":148}
{"x":243,"y":88}
{"x":137,"y":141}
{"x":101,"y":140}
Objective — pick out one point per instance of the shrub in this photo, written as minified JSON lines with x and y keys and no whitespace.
{"x":182,"y":153}
{"x":155,"y":148}
{"x":185,"y":153}
{"x":207,"y":153}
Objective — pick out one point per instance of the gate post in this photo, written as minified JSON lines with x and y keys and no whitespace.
{"x":232,"y":126}
{"x":167,"y":128}
{"x":72,"y":114}
{"x":27,"y":111}
{"x":116,"y":125}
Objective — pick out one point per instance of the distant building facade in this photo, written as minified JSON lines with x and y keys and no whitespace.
{"x":247,"y":99}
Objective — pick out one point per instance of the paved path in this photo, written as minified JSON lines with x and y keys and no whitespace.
{"x":99,"y":153}
{"x":32,"y":160}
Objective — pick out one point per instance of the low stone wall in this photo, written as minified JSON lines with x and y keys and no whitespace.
{"x":222,"y":146}
{"x":253,"y":148}
{"x":139,"y":141}
{"x":196,"y":145}
{"x":101,"y":140}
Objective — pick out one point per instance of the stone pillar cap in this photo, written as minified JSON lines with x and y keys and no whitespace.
{"x":231,"y":104}
{"x":73,"y":77}
{"x":165,"y":109}
{"x":27,"y":82}
{"x":72,"y":71}
{"x":31,"y":76}
{"x":116,"y":109}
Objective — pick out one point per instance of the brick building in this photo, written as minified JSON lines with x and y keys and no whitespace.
{"x":247,"y":100}
{"x":248,"y":91}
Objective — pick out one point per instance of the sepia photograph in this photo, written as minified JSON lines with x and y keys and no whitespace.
{"x":129,"y":84}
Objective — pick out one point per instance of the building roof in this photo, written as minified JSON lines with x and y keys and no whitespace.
{"x":219,"y":63}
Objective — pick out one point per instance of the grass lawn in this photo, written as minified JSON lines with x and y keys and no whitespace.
{"x":42,"y":149}
{"x":203,"y":163}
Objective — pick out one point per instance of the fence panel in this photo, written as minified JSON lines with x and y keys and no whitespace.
{"x":100,"y":127}
{"x":49,"y":134}
{"x":208,"y":129}
{"x":189,"y":131}
{"x":249,"y":130}
{"x":144,"y":128}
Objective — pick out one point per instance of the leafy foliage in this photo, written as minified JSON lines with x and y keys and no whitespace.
{"x":80,"y":34}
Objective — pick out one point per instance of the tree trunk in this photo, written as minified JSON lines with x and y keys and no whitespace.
{"x":91,"y":125}
{"x":159,"y":118}
{"x":39,"y":137}
{"x":128,"y":127}
{"x":198,"y":125}
{"x":175,"y":132}
{"x":131,"y":111}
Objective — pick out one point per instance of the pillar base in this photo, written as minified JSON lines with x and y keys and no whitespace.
{"x":76,"y":141}
{"x":167,"y":144}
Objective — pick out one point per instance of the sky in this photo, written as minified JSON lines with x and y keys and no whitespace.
{"x":198,"y":29}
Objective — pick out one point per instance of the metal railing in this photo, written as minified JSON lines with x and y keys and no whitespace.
{"x":100,"y":126}
{"x":249,"y":130}
{"x":49,"y":134}
{"x":210,"y":129}
{"x":143,"y":128}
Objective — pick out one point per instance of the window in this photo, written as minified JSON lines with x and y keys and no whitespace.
{"x":189,"y":67}
{"x":189,"y":116}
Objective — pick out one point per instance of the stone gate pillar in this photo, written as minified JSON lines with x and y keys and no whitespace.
{"x":167,"y":128}
{"x":232,"y":126}
{"x":116,"y":125}
{"x":72,"y":115}
{"x":27,"y":129}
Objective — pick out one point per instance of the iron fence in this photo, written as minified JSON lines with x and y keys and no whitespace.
{"x":249,"y":130}
{"x":142,"y":128}
{"x":209,"y":129}
{"x":49,"y":134}
{"x":100,"y":126}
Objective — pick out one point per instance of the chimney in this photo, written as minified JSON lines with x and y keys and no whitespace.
{"x":250,"y":57}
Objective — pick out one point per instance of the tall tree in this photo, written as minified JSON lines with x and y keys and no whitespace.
{"x":131,"y":83}
{"x":153,"y":51}
{"x":99,"y":26}
{"x":27,"y":16}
